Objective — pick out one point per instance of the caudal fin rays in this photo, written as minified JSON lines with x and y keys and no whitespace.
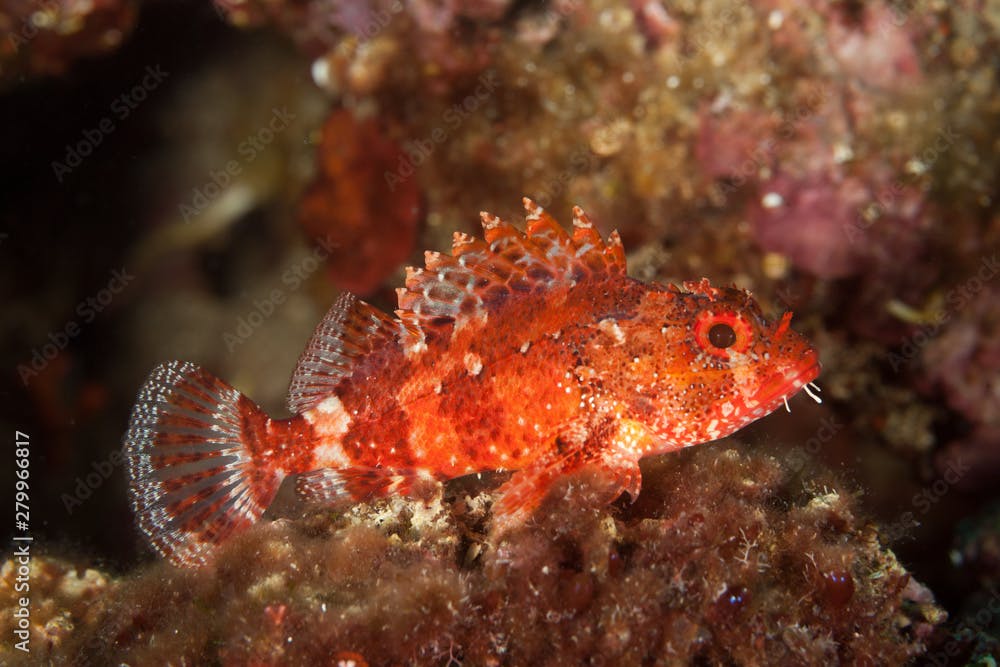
{"x":189,"y":449}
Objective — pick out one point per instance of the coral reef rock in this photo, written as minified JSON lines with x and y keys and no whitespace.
{"x":723,"y":560}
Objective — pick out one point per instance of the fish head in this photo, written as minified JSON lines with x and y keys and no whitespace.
{"x":712,"y":362}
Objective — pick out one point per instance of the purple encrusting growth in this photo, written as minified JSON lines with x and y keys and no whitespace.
{"x":722,"y":560}
{"x":961,"y":361}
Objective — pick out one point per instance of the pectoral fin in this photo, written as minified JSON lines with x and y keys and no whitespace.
{"x":611,"y":446}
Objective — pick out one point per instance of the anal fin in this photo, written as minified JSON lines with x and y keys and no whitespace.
{"x":356,"y":484}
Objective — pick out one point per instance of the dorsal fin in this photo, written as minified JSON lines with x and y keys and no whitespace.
{"x":481,"y":275}
{"x":350,"y":331}
{"x":550,"y":238}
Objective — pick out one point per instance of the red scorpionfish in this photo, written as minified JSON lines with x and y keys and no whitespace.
{"x":532,"y":352}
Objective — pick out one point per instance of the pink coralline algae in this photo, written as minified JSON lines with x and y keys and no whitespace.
{"x":873,"y":47}
{"x":830,"y":212}
{"x":834,"y":223}
{"x":442,"y":15}
{"x":735,"y":145}
{"x":319,"y":24}
{"x":963,"y":362}
{"x":823,"y":194}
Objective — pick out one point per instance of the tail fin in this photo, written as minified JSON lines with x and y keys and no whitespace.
{"x":194,"y":457}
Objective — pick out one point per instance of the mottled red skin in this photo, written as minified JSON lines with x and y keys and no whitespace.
{"x":530,"y":352}
{"x":605,"y":371}
{"x":398,"y":407}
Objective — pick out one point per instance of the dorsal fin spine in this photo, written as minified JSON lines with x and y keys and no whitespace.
{"x":461,"y":241}
{"x":532,"y":210}
{"x":585,"y":235}
{"x":489,"y":221}
{"x":615,"y":251}
{"x":495,"y":229}
{"x":454,"y":289}
{"x":541,"y":225}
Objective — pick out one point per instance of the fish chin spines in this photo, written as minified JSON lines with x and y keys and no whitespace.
{"x":193,"y":477}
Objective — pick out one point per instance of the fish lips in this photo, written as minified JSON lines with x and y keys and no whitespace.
{"x":782,"y":384}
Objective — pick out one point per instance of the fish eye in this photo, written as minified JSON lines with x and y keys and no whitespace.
{"x":721,"y":335}
{"x":719,"y":332}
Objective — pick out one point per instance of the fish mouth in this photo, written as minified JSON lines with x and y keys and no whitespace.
{"x":781,"y":385}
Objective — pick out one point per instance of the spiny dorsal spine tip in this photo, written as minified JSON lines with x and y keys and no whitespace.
{"x":580,"y":219}
{"x":534,"y":211}
{"x":490,"y":221}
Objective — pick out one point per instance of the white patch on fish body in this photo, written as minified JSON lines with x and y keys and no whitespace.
{"x":610,"y":327}
{"x":331,"y":455}
{"x":473,"y":363}
{"x":330,"y":421}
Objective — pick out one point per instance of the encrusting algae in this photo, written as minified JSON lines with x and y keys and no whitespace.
{"x":723,"y":559}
